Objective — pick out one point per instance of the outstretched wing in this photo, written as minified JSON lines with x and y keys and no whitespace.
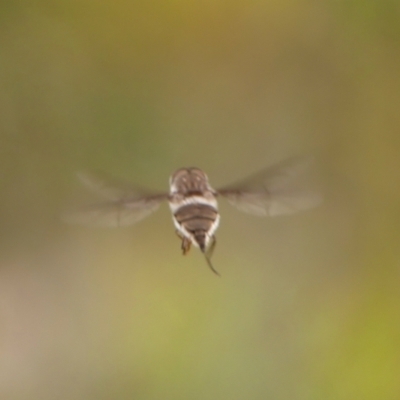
{"x":124,"y":205}
{"x":274,"y":191}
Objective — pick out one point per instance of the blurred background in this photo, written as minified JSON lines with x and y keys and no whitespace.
{"x":308,"y":306}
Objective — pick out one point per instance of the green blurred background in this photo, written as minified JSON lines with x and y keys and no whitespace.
{"x":308,"y":306}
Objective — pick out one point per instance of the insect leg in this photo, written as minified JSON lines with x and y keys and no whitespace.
{"x":185,"y":245}
{"x":210,"y":265}
{"x":211,"y":248}
{"x":209,"y":253}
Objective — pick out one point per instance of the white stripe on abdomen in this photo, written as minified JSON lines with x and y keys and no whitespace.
{"x":193,"y":200}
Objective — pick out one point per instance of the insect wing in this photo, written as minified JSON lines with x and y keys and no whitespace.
{"x":274,"y":191}
{"x":124,"y":205}
{"x":110,"y":188}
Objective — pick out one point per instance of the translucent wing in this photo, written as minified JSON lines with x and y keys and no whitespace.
{"x":124,"y":205}
{"x":274,"y":191}
{"x":109,"y":188}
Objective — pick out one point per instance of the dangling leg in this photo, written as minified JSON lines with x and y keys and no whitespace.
{"x":209,"y":253}
{"x":211,"y":266}
{"x":185,"y":246}
{"x":211,"y":248}
{"x":186,"y":243}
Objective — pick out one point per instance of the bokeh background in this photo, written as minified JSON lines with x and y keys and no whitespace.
{"x":308,"y":306}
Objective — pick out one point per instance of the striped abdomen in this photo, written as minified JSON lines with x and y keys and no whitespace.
{"x":197,"y":221}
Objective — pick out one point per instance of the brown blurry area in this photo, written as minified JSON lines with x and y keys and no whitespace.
{"x":307,"y":306}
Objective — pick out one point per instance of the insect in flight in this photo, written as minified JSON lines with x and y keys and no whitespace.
{"x":193,"y":201}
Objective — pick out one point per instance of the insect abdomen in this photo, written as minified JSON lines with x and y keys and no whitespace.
{"x":199,"y":220}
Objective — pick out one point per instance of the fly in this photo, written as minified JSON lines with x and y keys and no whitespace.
{"x":193,"y":201}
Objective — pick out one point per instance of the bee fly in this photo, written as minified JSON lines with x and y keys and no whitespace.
{"x":193,"y":202}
